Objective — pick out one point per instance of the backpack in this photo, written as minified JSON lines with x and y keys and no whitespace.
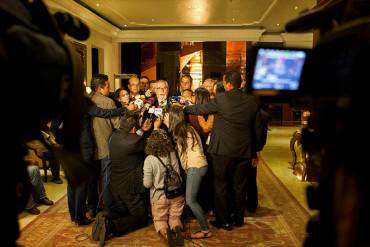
{"x":173,"y":183}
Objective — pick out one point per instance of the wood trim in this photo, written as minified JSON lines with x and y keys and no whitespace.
{"x":196,"y":35}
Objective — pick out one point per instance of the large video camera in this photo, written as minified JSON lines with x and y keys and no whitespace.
{"x":40,"y":70}
{"x":329,"y":80}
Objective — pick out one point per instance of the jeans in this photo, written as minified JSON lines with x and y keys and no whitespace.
{"x":106,"y":171}
{"x":36,"y":181}
{"x":77,"y":201}
{"x":193,"y":181}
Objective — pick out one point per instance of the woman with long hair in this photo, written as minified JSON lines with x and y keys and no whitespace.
{"x":202,"y":124}
{"x":190,"y":150}
{"x":166,"y":212}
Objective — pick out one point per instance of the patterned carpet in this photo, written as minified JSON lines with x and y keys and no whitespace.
{"x":279,"y":221}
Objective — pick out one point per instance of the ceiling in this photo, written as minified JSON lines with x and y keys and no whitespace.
{"x":270,"y":15}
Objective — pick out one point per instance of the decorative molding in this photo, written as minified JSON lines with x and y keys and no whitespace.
{"x":113,"y":34}
{"x":304,"y":40}
{"x":271,"y":38}
{"x":91,"y":19}
{"x":196,"y":35}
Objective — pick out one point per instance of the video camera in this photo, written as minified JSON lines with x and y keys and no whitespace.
{"x":329,"y":81}
{"x":40,"y":67}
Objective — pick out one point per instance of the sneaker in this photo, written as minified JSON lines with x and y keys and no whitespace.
{"x":99,"y":229}
{"x":33,"y":210}
{"x":45,"y":201}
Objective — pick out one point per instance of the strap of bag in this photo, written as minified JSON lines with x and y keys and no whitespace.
{"x":165,"y":166}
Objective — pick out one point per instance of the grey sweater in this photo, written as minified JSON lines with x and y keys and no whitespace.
{"x":154,"y":174}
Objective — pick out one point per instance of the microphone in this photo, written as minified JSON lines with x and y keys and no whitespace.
{"x":72,"y":26}
{"x":139,"y":103}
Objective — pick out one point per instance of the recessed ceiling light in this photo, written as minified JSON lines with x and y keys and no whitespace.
{"x":295,"y":7}
{"x":278,"y":25}
{"x":125,"y":25}
{"x":97,"y":5}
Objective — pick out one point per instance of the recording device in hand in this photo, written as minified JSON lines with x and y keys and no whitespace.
{"x":329,"y":81}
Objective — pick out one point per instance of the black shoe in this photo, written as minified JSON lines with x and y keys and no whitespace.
{"x":227,"y":226}
{"x":238,"y":223}
{"x":170,"y":241}
{"x":45,"y":201}
{"x":84,"y":222}
{"x":179,"y":237}
{"x":33,"y":210}
{"x":57,"y":180}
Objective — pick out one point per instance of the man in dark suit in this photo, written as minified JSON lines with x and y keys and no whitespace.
{"x":236,"y":128}
{"x":127,"y":155}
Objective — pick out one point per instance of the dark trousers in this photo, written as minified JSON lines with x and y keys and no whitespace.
{"x":54,"y":165}
{"x":77,"y":201}
{"x":93,"y":189}
{"x":128,"y":213}
{"x":230,"y":184}
{"x":252,"y":192}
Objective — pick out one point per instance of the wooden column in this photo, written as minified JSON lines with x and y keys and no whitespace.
{"x":214,"y":60}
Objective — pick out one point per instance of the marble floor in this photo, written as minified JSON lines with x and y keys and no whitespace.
{"x":276,"y":155}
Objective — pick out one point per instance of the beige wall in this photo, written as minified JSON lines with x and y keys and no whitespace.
{"x":109,"y":56}
{"x":101,"y":37}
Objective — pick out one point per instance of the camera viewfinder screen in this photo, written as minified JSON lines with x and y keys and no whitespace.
{"x":278,"y":69}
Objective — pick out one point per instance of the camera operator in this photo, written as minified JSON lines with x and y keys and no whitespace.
{"x":237,"y":124}
{"x":35,"y":58}
{"x":332,"y":82}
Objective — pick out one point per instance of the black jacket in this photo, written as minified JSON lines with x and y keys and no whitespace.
{"x":87,"y":140}
{"x":237,"y":123}
{"x":127,"y":156}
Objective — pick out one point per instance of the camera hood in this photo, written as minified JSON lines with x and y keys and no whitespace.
{"x":317,"y":17}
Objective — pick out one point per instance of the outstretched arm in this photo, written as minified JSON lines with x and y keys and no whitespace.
{"x":203,"y":109}
{"x":95,"y":111}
